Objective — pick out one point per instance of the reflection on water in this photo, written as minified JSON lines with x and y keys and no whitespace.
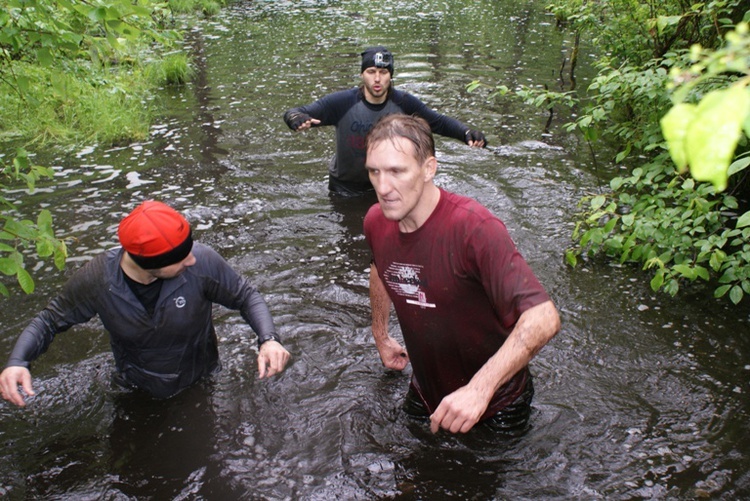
{"x":640,"y":396}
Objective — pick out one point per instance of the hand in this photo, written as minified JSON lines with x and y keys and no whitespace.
{"x":272,"y":358}
{"x":10,"y":378}
{"x":475,"y":139}
{"x":459,"y":411}
{"x":302,"y":122}
{"x":392,"y":354}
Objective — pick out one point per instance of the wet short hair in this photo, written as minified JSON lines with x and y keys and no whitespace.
{"x":410,"y":127}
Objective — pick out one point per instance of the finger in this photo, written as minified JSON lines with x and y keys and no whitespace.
{"x":467,"y":426}
{"x":403,"y":360}
{"x":437,"y":418}
{"x":273,"y":366}
{"x":15,"y":397}
{"x":26,"y":384}
{"x":262,"y":366}
{"x":436,"y":424}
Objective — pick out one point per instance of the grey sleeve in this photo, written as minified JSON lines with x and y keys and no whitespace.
{"x":227,"y":287}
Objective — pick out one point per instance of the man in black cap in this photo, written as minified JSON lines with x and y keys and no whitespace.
{"x":355,"y":111}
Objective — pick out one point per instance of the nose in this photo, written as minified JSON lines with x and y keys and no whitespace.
{"x":380,"y":183}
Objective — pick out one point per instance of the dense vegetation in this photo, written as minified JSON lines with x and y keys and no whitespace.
{"x":672,"y":96}
{"x":76,"y":72}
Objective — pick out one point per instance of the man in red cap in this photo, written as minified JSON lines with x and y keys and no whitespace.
{"x":154,"y":296}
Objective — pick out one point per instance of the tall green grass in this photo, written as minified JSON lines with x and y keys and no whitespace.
{"x":108,"y":106}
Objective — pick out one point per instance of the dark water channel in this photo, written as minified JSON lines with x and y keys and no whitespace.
{"x":639,"y":397}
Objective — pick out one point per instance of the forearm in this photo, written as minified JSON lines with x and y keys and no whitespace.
{"x":257,"y":314}
{"x":380,"y":305}
{"x":534,"y":329}
{"x":32,"y":342}
{"x":439,"y":123}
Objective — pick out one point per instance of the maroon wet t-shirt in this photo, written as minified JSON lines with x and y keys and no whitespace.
{"x":458,"y":285}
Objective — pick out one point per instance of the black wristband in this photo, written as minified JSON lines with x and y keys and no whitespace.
{"x":272,"y":337}
{"x":295,"y":119}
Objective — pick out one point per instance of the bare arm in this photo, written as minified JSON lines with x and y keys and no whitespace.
{"x":461,"y":410}
{"x":392,"y":354}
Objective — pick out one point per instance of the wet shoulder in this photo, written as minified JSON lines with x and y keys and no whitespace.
{"x":347,"y":97}
{"x":205,"y":256}
{"x":374,"y":218}
{"x":465,"y":209}
{"x":94,"y":276}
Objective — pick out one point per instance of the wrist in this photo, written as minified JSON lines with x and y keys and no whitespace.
{"x":272,"y":337}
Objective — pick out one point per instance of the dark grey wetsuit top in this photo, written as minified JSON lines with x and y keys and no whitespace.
{"x":161,"y":353}
{"x":353,"y":118}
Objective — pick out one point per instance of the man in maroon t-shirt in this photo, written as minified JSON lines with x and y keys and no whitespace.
{"x":471,"y":311}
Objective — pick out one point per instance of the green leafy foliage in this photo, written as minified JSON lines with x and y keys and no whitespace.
{"x":18,"y":235}
{"x":74,"y":71}
{"x":680,"y":133}
{"x":669,"y":224}
{"x":704,"y":136}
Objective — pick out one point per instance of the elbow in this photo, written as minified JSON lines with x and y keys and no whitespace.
{"x":553,"y":321}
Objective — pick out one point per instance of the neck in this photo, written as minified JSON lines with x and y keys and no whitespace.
{"x":135,"y":272}
{"x":417,"y":217}
{"x":374,"y":100}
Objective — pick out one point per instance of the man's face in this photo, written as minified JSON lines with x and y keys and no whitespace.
{"x":399,"y":179}
{"x":376,"y":82}
{"x":173,"y":270}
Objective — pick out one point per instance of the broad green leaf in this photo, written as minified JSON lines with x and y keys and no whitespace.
{"x":713,"y":134}
{"x":597,"y":201}
{"x":97,"y":13}
{"x":4,"y":291}
{"x":720,"y":291}
{"x":44,"y":247}
{"x":702,"y":272}
{"x":570,"y":258}
{"x":714,"y":262}
{"x":685,"y":271}
{"x":735,"y":294}
{"x":658,"y":280}
{"x":8,"y":266}
{"x":739,"y":165}
{"x":744,"y":220}
{"x":675,"y":125}
{"x":25,"y":281}
{"x":61,"y":253}
{"x":44,"y":222}
{"x":21,"y":229}
{"x":664,"y":21}
{"x":44,"y":56}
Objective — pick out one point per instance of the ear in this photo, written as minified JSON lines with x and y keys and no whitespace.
{"x":430,"y":168}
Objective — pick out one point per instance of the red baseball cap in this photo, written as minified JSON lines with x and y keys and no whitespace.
{"x":155,"y":235}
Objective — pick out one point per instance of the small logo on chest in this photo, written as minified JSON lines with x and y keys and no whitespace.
{"x":180,"y":302}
